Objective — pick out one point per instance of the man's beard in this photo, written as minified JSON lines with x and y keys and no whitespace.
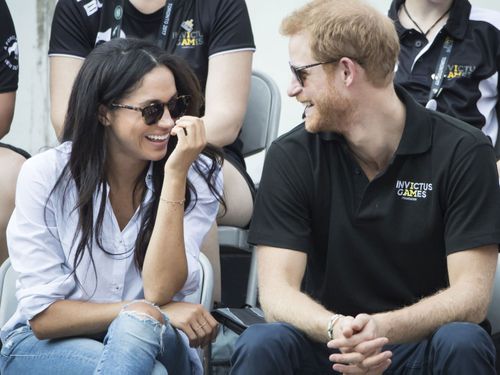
{"x":331,"y":113}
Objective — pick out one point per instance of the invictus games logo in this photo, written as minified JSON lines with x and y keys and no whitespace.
{"x":189,"y":38}
{"x":12,"y":59}
{"x":412,"y":191}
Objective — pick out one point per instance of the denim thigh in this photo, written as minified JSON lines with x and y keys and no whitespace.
{"x":23,"y":353}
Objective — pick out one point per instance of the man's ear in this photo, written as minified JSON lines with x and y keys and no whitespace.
{"x":103,"y":115}
{"x":349,"y":72}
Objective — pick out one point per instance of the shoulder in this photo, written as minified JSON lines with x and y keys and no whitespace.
{"x":299,"y":140}
{"x":48,"y":164}
{"x":455,"y":135}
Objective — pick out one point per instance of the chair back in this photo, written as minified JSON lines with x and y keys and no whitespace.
{"x":261,"y":122}
{"x":259,"y":130}
{"x":8,"y":301}
{"x":204,"y":294}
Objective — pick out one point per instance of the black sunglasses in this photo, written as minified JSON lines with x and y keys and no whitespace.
{"x":152,"y":113}
{"x":298,"y":70}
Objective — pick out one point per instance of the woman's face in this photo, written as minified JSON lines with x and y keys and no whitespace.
{"x":128,"y":135}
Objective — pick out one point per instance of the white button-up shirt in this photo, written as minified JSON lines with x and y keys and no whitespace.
{"x":42,"y":243}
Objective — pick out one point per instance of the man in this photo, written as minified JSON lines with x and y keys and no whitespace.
{"x":376,"y":221}
{"x":464,"y":37}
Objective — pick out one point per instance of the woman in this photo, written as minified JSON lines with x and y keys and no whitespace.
{"x":107,"y":228}
{"x":215,"y":39}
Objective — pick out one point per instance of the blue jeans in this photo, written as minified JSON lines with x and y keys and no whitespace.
{"x":279,"y":348}
{"x":134,"y":344}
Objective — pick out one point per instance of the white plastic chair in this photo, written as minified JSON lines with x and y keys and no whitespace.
{"x":260,"y":128}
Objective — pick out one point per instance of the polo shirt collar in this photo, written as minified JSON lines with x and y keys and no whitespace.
{"x":456,"y":26}
{"x":417,"y":134}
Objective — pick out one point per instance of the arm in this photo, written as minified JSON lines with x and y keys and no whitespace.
{"x":63,"y":71}
{"x":280,"y":275}
{"x":226,"y":93}
{"x":79,"y":319}
{"x":471,"y":274}
{"x":7,"y":102}
{"x":165,"y":268}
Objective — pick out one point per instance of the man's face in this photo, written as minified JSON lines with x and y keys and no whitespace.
{"x":326,"y":108}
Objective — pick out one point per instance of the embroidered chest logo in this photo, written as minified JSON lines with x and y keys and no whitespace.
{"x":189,"y":37}
{"x":460,"y":71}
{"x":412,"y":191}
{"x":12,"y":59}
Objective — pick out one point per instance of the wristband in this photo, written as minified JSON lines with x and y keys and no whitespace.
{"x":331,"y":323}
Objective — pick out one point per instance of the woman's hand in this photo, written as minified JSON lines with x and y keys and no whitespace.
{"x":191,"y":140}
{"x":192,"y":319}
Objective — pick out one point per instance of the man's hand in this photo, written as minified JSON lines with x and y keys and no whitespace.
{"x":360,"y":346}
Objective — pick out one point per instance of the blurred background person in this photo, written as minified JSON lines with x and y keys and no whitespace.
{"x":213,"y":36}
{"x":11,"y":158}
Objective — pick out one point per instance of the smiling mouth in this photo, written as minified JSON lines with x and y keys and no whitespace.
{"x":157,"y":138}
{"x":304,"y":114}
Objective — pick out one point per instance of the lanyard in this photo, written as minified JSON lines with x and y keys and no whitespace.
{"x":438,"y":77}
{"x":164,"y":28}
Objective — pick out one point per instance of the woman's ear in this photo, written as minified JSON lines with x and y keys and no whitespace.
{"x":103,"y":115}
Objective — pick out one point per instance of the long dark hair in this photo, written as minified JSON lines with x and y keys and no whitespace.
{"x":111,"y":72}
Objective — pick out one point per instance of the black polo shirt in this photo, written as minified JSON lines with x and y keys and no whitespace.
{"x":215,"y":26}
{"x":9,"y":52}
{"x":470,"y":85}
{"x":379,"y":245}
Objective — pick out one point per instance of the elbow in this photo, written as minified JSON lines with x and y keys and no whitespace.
{"x":163,"y":293}
{"x":39,"y":328}
{"x":478,"y":313}
{"x":4,"y":130}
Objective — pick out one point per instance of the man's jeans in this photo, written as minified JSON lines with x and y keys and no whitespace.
{"x":134,"y":344}
{"x":279,"y":348}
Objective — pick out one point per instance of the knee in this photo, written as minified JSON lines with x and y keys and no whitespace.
{"x":462,"y":339}
{"x":261,"y":338}
{"x":145,"y":310}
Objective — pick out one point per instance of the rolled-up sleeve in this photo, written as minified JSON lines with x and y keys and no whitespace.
{"x":197,"y":222}
{"x":34,"y":247}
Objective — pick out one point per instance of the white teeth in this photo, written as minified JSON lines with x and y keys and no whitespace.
{"x":157,"y":137}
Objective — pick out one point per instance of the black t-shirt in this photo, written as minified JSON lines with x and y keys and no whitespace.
{"x":210,"y":27}
{"x":380,"y":245}
{"x":9,"y":52}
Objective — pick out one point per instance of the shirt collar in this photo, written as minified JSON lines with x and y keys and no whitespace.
{"x":456,"y":26}
{"x":417,"y":134}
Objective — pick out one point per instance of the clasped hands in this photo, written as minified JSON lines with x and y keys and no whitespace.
{"x":361,"y":346}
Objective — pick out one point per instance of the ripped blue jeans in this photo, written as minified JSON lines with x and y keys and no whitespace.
{"x":134,"y":344}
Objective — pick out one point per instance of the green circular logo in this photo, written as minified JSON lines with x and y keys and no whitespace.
{"x":118,"y":12}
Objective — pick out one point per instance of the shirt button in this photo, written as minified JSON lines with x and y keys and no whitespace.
{"x":418,"y":43}
{"x":357,"y":172}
